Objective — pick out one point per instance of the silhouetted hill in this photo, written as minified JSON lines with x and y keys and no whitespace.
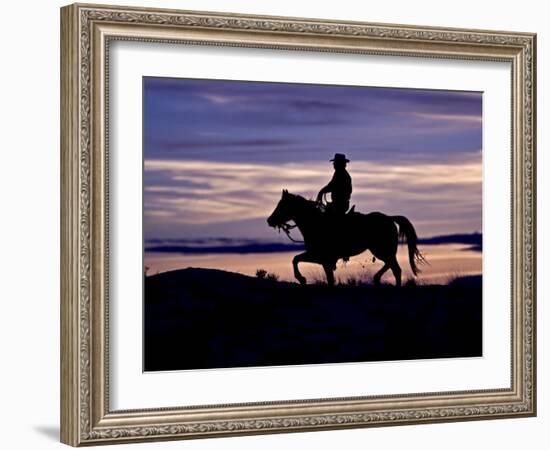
{"x":475,"y":240}
{"x":202,"y":318}
{"x":247,"y":246}
{"x":243,"y":248}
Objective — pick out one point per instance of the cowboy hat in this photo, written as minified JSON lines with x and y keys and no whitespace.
{"x":339,"y":157}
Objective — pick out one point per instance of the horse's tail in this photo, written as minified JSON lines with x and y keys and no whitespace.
{"x":406,"y":230}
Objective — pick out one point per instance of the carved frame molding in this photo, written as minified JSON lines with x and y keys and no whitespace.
{"x":86,"y":31}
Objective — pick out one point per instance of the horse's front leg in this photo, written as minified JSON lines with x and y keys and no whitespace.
{"x":302,"y":257}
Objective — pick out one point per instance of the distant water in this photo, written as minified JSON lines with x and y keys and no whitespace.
{"x":446,"y":262}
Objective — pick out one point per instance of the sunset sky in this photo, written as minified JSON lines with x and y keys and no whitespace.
{"x":218,"y":153}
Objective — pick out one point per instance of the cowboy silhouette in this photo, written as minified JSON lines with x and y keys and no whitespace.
{"x":339,"y":187}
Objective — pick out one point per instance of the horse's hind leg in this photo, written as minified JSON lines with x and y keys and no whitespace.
{"x":394,"y":265}
{"x":378,"y":275}
{"x":329,"y":271}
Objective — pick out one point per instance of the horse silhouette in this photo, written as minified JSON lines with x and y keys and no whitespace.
{"x":328,"y":237}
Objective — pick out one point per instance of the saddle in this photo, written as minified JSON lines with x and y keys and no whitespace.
{"x":341,"y":222}
{"x":326,"y":208}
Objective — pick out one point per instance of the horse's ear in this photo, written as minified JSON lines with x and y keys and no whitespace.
{"x":285,"y":192}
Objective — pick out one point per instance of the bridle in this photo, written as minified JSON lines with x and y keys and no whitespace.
{"x":286,"y":227}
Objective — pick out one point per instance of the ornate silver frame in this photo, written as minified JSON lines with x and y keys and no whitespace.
{"x":86,"y":31}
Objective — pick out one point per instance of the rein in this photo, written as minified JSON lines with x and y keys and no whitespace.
{"x":286,"y":227}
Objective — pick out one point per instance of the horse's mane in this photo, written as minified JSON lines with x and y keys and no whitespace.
{"x":304,"y":202}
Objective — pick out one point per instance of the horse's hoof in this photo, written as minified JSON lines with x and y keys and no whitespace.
{"x":302,"y":281}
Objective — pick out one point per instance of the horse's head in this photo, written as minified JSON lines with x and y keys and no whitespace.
{"x":283,"y":212}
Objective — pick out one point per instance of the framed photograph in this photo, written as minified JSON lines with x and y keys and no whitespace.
{"x":276,"y":224}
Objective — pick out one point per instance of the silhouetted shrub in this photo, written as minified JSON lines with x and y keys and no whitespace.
{"x":272,"y":277}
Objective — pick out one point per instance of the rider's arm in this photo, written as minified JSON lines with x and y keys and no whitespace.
{"x":325,"y":190}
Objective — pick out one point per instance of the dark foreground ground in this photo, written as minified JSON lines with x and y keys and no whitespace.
{"x":201,"y":318}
